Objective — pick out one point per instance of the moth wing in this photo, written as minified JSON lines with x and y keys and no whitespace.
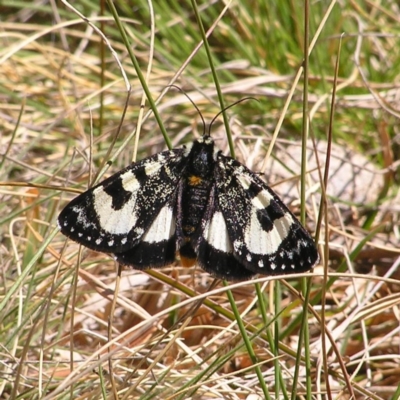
{"x":114,"y":215}
{"x":265,"y":236}
{"x":214,"y":249}
{"x":157,"y":246}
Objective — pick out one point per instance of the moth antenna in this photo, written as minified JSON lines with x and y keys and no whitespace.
{"x":194,"y":105}
{"x":227,"y":108}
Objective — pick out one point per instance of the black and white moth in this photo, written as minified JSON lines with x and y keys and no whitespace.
{"x":195,"y":201}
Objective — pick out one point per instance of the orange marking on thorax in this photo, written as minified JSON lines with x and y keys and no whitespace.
{"x":195,"y":180}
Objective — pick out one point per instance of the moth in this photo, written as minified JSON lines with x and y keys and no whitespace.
{"x":197,"y":202}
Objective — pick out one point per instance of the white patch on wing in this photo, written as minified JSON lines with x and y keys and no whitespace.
{"x":129,"y":182}
{"x":118,"y":222}
{"x":262,"y":200}
{"x":162,"y":228}
{"x":153,"y":167}
{"x":244,"y":181}
{"x":187,"y":149}
{"x":216,"y":233}
{"x":263,"y":242}
{"x":258,"y":240}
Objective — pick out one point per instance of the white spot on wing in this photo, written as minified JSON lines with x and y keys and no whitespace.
{"x":262,"y":200}
{"x":139,"y":232}
{"x":244,"y":181}
{"x":187,"y":148}
{"x":129,"y":182}
{"x":162,"y":228}
{"x":152,"y":167}
{"x":238,"y":246}
{"x":216,"y":233}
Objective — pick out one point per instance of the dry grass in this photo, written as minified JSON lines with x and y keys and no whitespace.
{"x":73,"y":326}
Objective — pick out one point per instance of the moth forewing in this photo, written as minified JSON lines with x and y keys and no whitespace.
{"x":114,"y":215}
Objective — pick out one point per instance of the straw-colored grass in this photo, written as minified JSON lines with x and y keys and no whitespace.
{"x":72,"y":81}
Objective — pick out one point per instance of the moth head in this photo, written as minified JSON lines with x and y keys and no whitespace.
{"x":202,"y":157}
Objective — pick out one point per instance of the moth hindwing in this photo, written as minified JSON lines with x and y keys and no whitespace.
{"x":195,"y":201}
